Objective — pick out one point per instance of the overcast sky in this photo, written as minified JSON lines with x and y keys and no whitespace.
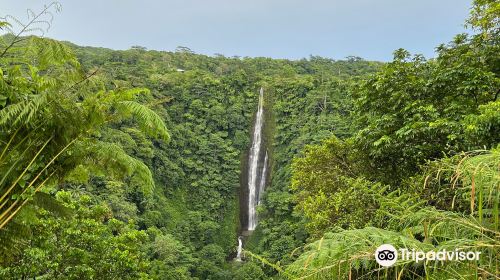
{"x":372,"y":29}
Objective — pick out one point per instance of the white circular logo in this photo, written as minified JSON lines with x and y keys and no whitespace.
{"x":386,"y":255}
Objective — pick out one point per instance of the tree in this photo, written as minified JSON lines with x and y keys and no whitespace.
{"x":50,"y":119}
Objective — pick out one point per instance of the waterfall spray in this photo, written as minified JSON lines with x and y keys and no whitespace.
{"x":240,"y":249}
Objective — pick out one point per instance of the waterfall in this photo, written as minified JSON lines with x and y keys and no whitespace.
{"x":262,"y":184}
{"x":240,"y":249}
{"x":257,"y":173}
{"x":253,"y":164}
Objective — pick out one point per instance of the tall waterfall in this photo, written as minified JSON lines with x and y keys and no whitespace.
{"x":254,"y":176}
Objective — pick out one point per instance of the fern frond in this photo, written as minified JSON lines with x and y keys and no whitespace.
{"x":47,"y":53}
{"x":348,"y":250}
{"x":148,"y":120}
{"x":104,"y":158}
{"x":50,"y":203}
{"x":22,"y":112}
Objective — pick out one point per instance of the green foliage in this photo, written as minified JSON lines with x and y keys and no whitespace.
{"x":483,"y":129}
{"x":362,"y":153}
{"x":414,"y":109}
{"x":485,"y":16}
{"x":50,"y":118}
{"x":412,"y":176}
{"x":149,"y":121}
{"x":81,"y":247}
{"x":249,"y":270}
{"x":416,"y":226}
{"x":53,"y":118}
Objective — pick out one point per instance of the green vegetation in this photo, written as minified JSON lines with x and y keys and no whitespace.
{"x":126,"y":164}
{"x":419,"y":171}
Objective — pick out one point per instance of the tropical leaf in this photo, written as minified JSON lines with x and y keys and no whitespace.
{"x":147,"y":119}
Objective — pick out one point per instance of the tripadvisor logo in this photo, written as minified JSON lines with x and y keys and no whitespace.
{"x":386,"y":255}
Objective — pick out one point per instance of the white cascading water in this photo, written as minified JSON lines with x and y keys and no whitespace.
{"x":262,"y":184}
{"x":253,"y":164}
{"x":240,"y":249}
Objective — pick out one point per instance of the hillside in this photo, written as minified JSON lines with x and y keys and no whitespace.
{"x":135,"y":164}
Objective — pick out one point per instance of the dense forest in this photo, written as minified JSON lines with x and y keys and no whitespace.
{"x":129,"y":164}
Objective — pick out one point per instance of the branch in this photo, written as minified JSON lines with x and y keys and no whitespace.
{"x":83,"y":80}
{"x":25,"y":27}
